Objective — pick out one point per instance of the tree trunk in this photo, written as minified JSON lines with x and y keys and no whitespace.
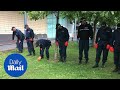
{"x":56,"y":47}
{"x":94,"y":32}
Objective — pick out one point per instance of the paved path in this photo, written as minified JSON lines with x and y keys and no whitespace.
{"x":10,"y":45}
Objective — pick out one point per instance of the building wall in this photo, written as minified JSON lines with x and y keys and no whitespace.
{"x":13,"y":18}
{"x":39,"y":26}
{"x":9,"y":19}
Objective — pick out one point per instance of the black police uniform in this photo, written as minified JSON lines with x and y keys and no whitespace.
{"x":30,"y":35}
{"x":115,"y":42}
{"x":103,"y":37}
{"x":20,"y":38}
{"x":44,"y":44}
{"x":62,"y":36}
{"x":84,"y":33}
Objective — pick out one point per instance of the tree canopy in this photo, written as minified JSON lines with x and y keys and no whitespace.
{"x":111,"y":17}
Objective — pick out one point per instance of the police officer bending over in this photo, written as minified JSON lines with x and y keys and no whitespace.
{"x":62,"y":38}
{"x":30,"y":40}
{"x":20,"y":38}
{"x":85,"y":32}
{"x":103,"y":37}
{"x":44,"y":44}
{"x":115,"y":42}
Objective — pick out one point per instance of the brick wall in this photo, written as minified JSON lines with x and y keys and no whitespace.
{"x":13,"y":18}
{"x":39,"y":26}
{"x":9,"y":19}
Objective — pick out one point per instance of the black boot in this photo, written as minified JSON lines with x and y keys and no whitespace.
{"x":86,"y":61}
{"x":60,"y":59}
{"x":95,"y":66}
{"x":29,"y":54}
{"x":20,"y":52}
{"x":64,"y":59}
{"x":103,"y":65}
{"x":80,"y":61}
{"x":33,"y":52}
{"x":116,"y":69}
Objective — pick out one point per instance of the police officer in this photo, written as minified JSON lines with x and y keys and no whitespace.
{"x":115,"y":42}
{"x":85,"y":32}
{"x":103,"y":37}
{"x":30,"y":40}
{"x":20,"y":38}
{"x":62,"y":38}
{"x":44,"y":44}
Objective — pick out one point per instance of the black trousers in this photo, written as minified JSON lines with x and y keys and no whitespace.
{"x":20,"y":45}
{"x":62,"y":50}
{"x":83,"y":46}
{"x":101,"y":49}
{"x":30,"y":47}
{"x":42,"y":51}
{"x":117,"y":56}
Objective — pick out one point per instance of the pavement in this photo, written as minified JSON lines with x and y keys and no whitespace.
{"x":10,"y":45}
{"x":7,"y":44}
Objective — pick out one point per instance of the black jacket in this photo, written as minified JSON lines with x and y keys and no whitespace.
{"x":62,"y":35}
{"x":19,"y":35}
{"x":29,"y":33}
{"x":43,"y":43}
{"x":104,"y":34}
{"x":115,"y":40}
{"x":85,"y":31}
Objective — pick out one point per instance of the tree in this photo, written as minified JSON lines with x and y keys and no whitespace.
{"x":111,"y":17}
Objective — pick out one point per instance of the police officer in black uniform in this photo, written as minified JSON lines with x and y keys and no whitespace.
{"x":30,"y":40}
{"x":44,"y":44}
{"x":103,"y":37}
{"x":115,"y":42}
{"x":62,"y":38}
{"x":85,"y":32}
{"x":20,"y":38}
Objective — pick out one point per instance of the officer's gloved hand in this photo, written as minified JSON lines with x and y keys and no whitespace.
{"x":111,"y":49}
{"x":96,"y":45}
{"x":108,"y":46}
{"x":57,"y":43}
{"x":66,"y":43}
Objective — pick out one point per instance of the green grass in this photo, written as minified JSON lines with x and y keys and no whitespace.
{"x":59,"y":70}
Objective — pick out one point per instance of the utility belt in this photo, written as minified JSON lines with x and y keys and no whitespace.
{"x":102,"y":43}
{"x":29,"y":39}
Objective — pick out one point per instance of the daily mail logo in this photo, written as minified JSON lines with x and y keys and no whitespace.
{"x":15,"y":65}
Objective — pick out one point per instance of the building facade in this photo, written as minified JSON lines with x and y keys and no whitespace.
{"x":47,"y":26}
{"x":9,"y":19}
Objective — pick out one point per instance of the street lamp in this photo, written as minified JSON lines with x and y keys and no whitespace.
{"x":25,"y":20}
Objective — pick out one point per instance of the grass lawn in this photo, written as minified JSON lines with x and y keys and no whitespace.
{"x":59,"y":70}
